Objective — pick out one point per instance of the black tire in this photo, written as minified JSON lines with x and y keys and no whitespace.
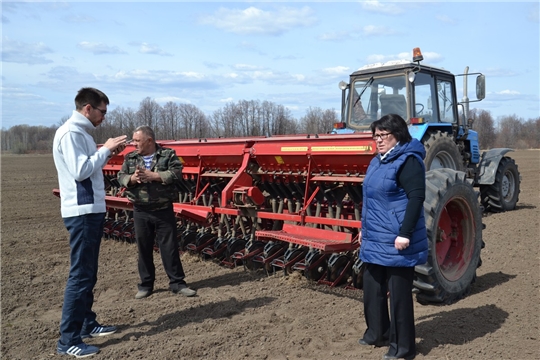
{"x":454,"y":228}
{"x":442,"y":152}
{"x":503,"y":194}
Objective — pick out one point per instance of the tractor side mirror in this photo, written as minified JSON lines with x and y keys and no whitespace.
{"x":480,"y":87}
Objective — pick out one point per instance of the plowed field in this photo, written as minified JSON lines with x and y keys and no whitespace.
{"x":244,"y":315}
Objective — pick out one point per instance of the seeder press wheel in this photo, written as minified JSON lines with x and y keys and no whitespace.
{"x":316,"y":265}
{"x":339,"y":269}
{"x":253,"y":249}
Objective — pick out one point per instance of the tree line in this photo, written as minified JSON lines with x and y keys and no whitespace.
{"x":174,"y":121}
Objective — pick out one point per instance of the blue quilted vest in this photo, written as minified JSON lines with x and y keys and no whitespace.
{"x":383,"y":211}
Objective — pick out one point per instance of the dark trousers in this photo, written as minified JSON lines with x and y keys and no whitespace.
{"x":398,"y":324}
{"x":158,"y":226}
{"x":85,"y":234}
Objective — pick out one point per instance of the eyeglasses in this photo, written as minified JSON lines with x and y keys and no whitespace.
{"x":381,"y":136}
{"x":103,"y":112}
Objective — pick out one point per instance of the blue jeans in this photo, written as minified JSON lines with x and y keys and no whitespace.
{"x":85,"y":234}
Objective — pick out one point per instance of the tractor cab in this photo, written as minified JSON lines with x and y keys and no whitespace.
{"x":421,"y":94}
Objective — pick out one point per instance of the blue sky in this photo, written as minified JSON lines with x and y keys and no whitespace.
{"x":291,"y":53}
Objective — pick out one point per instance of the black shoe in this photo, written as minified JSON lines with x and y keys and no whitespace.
{"x":381,"y":344}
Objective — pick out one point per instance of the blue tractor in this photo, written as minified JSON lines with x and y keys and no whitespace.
{"x":426,"y":97}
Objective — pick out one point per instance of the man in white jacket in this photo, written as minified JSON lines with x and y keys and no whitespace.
{"x":82,"y":197}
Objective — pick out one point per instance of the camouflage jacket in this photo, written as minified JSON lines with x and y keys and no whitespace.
{"x":154,"y":195}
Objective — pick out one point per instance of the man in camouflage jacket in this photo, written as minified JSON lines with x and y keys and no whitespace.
{"x":149,"y":175}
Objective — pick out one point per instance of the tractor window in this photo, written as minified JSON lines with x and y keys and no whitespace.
{"x":424,"y":93}
{"x":375,"y":97}
{"x":445,"y":96}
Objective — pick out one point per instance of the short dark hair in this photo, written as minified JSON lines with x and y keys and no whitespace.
{"x":147,"y":131}
{"x":90,"y":96}
{"x":395,"y":125}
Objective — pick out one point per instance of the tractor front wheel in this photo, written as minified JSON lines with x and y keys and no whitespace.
{"x":503,"y":194}
{"x":442,"y":152}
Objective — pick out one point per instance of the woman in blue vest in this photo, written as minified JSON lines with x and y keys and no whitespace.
{"x":394,"y":236}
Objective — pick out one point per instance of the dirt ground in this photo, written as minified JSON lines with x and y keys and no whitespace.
{"x":245,"y":315}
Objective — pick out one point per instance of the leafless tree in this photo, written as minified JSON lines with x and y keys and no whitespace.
{"x":149,"y":114}
{"x":484,"y":125}
{"x":246,"y":118}
{"x":317,"y":121}
{"x":510,"y":130}
{"x":225,"y":121}
{"x":193,"y":122}
{"x":170,"y":116}
{"x":277,"y":120}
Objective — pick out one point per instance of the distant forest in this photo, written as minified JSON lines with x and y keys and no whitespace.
{"x":174,"y":121}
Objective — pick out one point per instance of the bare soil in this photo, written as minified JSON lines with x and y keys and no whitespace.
{"x":240,"y":314}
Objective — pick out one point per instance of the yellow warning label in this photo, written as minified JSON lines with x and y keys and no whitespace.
{"x":341,"y":148}
{"x":181,"y":160}
{"x":279,"y":160}
{"x":294,"y":148}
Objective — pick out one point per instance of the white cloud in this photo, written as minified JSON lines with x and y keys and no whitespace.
{"x":15,"y":93}
{"x":99,"y":48}
{"x":378,"y":58}
{"x":24,"y":53}
{"x":191,"y":75}
{"x":499,"y":72}
{"x":373,"y":30}
{"x":175,"y":99}
{"x":157,"y":77}
{"x":388,"y":8}
{"x":508,"y":92}
{"x":337,"y":70}
{"x":212,"y":65}
{"x":365,"y":31}
{"x":429,"y":57}
{"x":253,"y":20}
{"x":152,"y":49}
{"x":263,"y":75}
{"x":246,"y":67}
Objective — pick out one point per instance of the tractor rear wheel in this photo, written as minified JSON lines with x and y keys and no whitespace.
{"x":503,"y":194}
{"x":454,"y":230}
{"x":442,"y":152}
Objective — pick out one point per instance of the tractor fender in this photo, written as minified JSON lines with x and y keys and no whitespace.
{"x":489,"y":163}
